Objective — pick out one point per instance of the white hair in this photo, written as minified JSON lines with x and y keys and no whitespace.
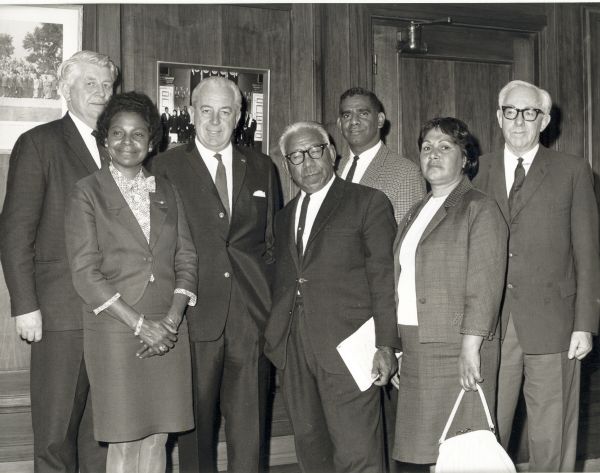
{"x":219,"y":82}
{"x":67,"y":69}
{"x":543,"y":95}
{"x":298,"y":126}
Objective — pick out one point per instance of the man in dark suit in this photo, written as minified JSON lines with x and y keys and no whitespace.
{"x":550,"y":308}
{"x":334,"y":271}
{"x":230,"y":199}
{"x":370,"y":162}
{"x":45,"y":164}
{"x":165,"y":120}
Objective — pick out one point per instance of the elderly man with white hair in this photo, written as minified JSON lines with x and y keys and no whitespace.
{"x":45,"y":163}
{"x":550,"y":307}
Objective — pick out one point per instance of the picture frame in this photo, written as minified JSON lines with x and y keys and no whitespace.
{"x":34,"y":40}
{"x":175,"y":82}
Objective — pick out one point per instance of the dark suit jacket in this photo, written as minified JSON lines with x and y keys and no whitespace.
{"x":108,"y":252}
{"x":553,"y":270}
{"x":239,"y":252}
{"x":45,"y":163}
{"x":460,"y":262}
{"x":346,"y":273}
{"x":398,"y":178}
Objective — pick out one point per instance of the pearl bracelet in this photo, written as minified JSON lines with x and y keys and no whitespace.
{"x":138,"y":326}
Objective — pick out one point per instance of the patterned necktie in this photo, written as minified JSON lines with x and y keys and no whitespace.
{"x":350,"y":174}
{"x":517,"y":183}
{"x":301,"y":224}
{"x":221,"y":185}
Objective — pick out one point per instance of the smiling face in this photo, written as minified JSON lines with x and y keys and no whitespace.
{"x":215,"y":116}
{"x":88,"y":91}
{"x":128,"y":142}
{"x":442,"y":161}
{"x":360,"y":123}
{"x":312,"y":174}
{"x":519,"y":134}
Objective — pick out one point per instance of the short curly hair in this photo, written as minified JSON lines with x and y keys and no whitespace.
{"x":460,"y":134}
{"x":132,"y":102}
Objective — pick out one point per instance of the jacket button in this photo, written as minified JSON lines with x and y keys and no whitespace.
{"x":422,"y":300}
{"x":510,"y":255}
{"x":510,"y":286}
{"x":221,"y":215}
{"x":227,"y":275}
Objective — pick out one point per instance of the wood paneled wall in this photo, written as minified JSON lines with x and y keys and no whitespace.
{"x":315,"y":52}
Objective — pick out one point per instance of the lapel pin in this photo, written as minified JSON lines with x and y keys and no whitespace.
{"x":243,"y":160}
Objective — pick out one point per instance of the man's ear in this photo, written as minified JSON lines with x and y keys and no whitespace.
{"x":499,"y":117}
{"x":65,"y":91}
{"x":339,"y":123}
{"x":545,"y":121}
{"x":380,"y":119}
{"x":191,"y":113}
{"x":332,"y":153}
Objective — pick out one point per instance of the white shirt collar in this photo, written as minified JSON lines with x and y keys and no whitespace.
{"x":90,"y":141}
{"x":211,"y":163}
{"x":321,"y":193}
{"x":365,"y":159}
{"x":316,"y":199}
{"x":527,"y":156}
{"x":225,"y":153}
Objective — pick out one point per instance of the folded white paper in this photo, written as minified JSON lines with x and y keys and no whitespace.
{"x":358,"y":351}
{"x":259,"y":193}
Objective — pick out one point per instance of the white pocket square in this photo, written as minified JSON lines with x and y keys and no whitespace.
{"x":259,"y":194}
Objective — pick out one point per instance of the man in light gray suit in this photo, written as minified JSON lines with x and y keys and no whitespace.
{"x":550,"y":308}
{"x":371,"y":162}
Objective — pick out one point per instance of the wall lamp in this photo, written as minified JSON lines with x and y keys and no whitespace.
{"x":409,"y":38}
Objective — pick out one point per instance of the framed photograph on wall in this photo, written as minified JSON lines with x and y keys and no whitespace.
{"x":176,"y":81}
{"x":34,"y":40}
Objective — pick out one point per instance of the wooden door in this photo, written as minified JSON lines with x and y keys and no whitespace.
{"x":460,"y":76}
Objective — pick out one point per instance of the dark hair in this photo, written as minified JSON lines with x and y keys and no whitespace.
{"x":375,"y":102}
{"x":132,"y":102}
{"x":460,"y":134}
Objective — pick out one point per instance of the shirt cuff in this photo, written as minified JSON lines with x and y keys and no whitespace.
{"x":191,"y":295}
{"x":107,"y":304}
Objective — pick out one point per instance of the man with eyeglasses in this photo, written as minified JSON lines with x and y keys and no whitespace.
{"x":550,"y":308}
{"x":334,"y":270}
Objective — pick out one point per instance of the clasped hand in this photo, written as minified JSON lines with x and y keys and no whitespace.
{"x":157,"y":338}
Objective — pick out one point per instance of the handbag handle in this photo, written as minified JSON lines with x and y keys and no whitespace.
{"x":455,"y":408}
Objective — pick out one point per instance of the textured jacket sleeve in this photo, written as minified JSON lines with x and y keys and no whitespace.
{"x":85,"y":257}
{"x":486,"y":268}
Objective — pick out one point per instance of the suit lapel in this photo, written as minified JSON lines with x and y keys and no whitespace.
{"x":374,"y":169}
{"x":239,"y":175}
{"x":497,"y":178}
{"x":75,"y":142}
{"x":534,"y":178}
{"x":115,"y":203}
{"x":291,"y":225}
{"x":331,"y":202}
{"x":158,"y":212}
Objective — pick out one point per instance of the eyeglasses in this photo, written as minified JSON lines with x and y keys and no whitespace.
{"x":314,"y":152}
{"x":529,"y":114}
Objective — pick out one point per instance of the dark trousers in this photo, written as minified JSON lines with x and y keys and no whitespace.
{"x":231,"y":377}
{"x":61,"y":408}
{"x":336,"y":426}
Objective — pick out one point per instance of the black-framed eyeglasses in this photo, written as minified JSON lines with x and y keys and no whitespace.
{"x":314,"y":152}
{"x":529,"y":114}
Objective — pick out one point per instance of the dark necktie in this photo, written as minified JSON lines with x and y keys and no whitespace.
{"x":301,"y":224}
{"x":103,"y":151}
{"x":221,"y":184}
{"x":517,"y":183}
{"x":350,"y":174}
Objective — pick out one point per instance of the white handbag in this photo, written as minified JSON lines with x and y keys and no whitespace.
{"x":477,"y":451}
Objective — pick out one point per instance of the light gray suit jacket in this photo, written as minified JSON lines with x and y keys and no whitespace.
{"x":398,"y":178}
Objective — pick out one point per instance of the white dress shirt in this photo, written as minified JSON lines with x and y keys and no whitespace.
{"x":511,"y":161}
{"x":314,"y":205}
{"x":364,"y":159}
{"x":208,"y":156}
{"x":89,"y":140}
{"x":407,"y":288}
